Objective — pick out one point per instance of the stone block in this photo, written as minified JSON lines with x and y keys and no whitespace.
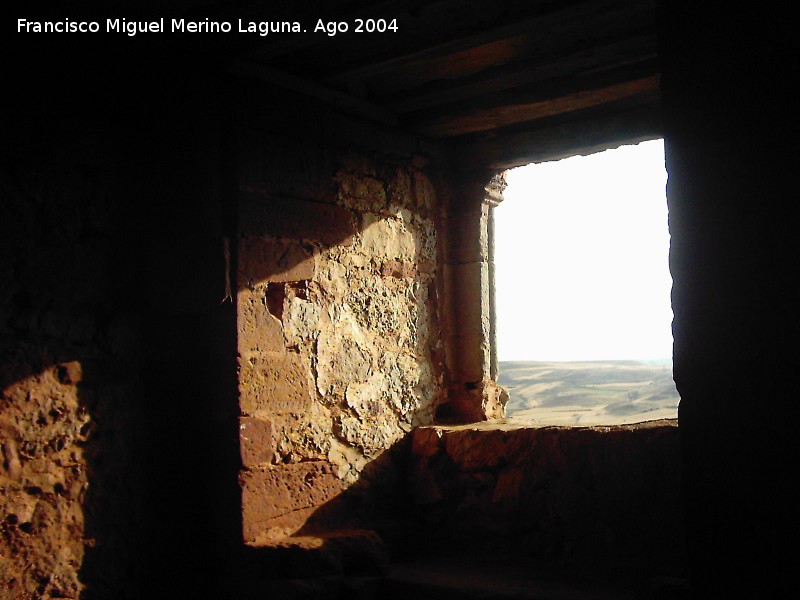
{"x":263,"y":259}
{"x":386,"y":237}
{"x":302,"y":436}
{"x":401,"y":269}
{"x":255,"y":441}
{"x":361,"y":193}
{"x":470,"y":403}
{"x":469,"y":357}
{"x":269,"y":531}
{"x":275,"y":383}
{"x":300,"y":321}
{"x":271,"y":494}
{"x":257,"y":329}
{"x":467,"y":238}
{"x":467,"y":285}
{"x":494,"y":400}
{"x":425,"y":441}
{"x":295,"y":219}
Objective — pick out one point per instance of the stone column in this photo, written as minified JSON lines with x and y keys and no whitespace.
{"x":493,"y":197}
{"x":469,"y":302}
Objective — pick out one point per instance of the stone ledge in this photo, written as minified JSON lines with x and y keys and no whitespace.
{"x":514,"y":425}
{"x":604,"y":494}
{"x":350,"y":551}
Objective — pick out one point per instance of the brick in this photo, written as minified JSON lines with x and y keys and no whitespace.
{"x":264,"y":259}
{"x":257,"y":329}
{"x":255,"y":441}
{"x":269,"y":495}
{"x":275,"y":383}
{"x":295,"y":219}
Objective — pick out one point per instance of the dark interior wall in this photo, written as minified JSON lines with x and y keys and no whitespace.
{"x":121,"y":177}
{"x":113,"y":276}
{"x":116,"y":199}
{"x":732,"y":158}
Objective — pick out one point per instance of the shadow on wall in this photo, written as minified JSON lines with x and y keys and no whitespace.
{"x":579,"y":504}
{"x":118,"y":366}
{"x":607,"y":497}
{"x":352,"y":534}
{"x":119,"y":359}
{"x":69,"y":381}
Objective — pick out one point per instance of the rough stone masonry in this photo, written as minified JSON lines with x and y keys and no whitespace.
{"x":340,"y":352}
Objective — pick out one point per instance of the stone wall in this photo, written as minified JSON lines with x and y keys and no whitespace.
{"x":118,"y":408}
{"x":340,"y":351}
{"x":121,"y":432}
{"x":125,"y":422}
{"x":68,"y":364}
{"x":600,"y":497}
{"x":732,"y":157}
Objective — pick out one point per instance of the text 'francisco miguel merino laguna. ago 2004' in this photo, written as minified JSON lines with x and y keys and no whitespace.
{"x":261,"y":28}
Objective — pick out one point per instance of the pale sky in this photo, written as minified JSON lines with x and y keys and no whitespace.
{"x":581,"y":255}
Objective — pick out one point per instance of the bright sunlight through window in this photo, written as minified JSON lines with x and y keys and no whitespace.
{"x":583,"y":289}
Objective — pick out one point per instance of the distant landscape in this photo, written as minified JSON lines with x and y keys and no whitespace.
{"x":589,"y":393}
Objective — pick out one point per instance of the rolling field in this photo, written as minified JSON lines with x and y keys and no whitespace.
{"x":589,"y":393}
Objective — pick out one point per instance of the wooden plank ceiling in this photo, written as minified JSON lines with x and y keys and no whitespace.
{"x":502,"y":81}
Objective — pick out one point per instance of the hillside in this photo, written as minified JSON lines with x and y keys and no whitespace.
{"x":589,"y":393}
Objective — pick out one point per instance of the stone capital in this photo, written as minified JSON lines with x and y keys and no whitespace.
{"x":495,"y":188}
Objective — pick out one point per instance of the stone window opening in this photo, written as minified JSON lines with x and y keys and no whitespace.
{"x":597,"y":348}
{"x":476,"y":390}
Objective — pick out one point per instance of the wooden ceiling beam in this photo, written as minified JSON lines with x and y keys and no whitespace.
{"x":592,"y":134}
{"x":507,"y":113}
{"x":346,"y":103}
{"x":570,"y":16}
{"x":576,"y":61}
